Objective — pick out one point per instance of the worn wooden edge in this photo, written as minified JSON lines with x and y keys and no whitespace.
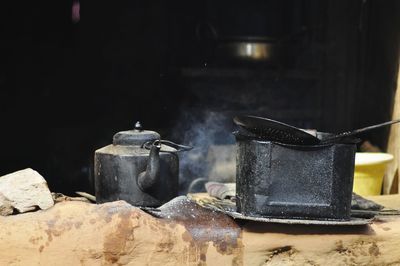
{"x":115,"y":233}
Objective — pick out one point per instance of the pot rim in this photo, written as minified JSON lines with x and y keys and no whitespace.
{"x":294,"y":146}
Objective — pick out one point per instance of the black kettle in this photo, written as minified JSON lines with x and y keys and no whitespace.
{"x":137,"y":167}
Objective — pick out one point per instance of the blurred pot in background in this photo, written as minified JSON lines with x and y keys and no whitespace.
{"x":237,"y":48}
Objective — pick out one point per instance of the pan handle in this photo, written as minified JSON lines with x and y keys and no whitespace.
{"x":339,"y":136}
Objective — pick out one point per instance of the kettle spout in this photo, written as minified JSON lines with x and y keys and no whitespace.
{"x":148,"y":178}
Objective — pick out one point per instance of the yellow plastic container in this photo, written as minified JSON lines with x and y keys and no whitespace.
{"x":369,"y":170}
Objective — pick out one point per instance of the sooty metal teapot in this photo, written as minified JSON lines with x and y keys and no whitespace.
{"x":138,"y":168}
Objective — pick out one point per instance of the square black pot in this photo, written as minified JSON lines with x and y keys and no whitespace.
{"x":298,"y":182}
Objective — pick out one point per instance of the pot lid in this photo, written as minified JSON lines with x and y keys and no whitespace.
{"x":137,"y":136}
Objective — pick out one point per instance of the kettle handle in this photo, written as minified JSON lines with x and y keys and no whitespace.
{"x":177,"y":147}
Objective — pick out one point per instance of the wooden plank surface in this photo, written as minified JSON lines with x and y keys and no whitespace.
{"x":78,"y":233}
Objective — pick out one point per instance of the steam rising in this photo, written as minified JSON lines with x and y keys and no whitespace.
{"x":202,"y":130}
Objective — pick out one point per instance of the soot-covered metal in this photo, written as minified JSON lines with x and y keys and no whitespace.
{"x":283,"y":180}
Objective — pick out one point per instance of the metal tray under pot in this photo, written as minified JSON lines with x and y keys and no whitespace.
{"x":294,"y":181}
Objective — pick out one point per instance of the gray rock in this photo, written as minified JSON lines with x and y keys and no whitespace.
{"x":5,"y":206}
{"x":24,"y":190}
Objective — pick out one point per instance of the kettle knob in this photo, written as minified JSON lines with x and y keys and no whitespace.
{"x":138,"y":126}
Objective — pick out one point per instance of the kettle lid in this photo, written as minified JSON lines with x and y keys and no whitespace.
{"x":137,"y":136}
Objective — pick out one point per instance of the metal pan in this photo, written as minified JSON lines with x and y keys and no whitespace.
{"x":268,"y":129}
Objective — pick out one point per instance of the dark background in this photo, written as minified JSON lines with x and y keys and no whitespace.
{"x":66,"y":88}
